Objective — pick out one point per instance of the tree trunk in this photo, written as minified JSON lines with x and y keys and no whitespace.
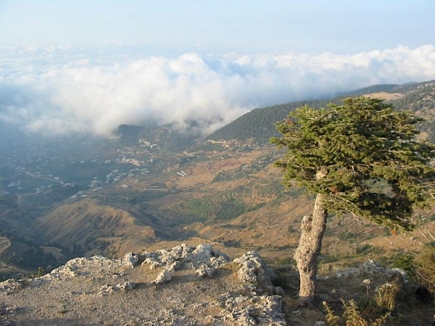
{"x":310,"y":243}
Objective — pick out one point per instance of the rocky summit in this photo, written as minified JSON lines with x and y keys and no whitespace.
{"x":182,"y":286}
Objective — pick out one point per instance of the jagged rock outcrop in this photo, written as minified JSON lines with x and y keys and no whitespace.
{"x":253,"y":269}
{"x":203,"y":254}
{"x":182,"y":286}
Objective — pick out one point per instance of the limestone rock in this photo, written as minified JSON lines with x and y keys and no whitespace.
{"x":163,"y":277}
{"x":398,"y":271}
{"x":371,"y":266}
{"x":254,"y":270}
{"x":10,"y":286}
{"x":204,"y":270}
{"x":353,"y":271}
{"x":262,"y":310}
{"x":184,"y":255}
{"x":130,"y":259}
{"x":109,"y":289}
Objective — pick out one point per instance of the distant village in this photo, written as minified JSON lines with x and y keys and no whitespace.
{"x":140,"y":157}
{"x":37,"y":165}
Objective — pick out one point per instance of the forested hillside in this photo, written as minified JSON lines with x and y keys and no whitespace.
{"x":258,"y":125}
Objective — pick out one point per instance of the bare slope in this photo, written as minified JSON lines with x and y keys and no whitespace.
{"x":91,"y":226}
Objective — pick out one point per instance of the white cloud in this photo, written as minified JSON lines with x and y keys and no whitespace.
{"x":59,"y":91}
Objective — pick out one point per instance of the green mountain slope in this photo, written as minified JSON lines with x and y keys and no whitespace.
{"x":258,"y":124}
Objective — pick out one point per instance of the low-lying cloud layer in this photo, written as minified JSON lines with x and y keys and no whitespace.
{"x":53,"y":92}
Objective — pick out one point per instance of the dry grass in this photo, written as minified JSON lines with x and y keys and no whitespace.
{"x":352,"y":316}
{"x":386,"y":296}
{"x":425,"y":261}
{"x":385,"y":96}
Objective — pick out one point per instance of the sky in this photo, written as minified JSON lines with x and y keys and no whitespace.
{"x":89,"y":65}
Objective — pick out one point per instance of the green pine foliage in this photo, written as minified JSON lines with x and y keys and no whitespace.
{"x":357,"y":146}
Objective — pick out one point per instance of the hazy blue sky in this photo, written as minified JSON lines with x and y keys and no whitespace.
{"x":89,"y":65}
{"x":171,"y":27}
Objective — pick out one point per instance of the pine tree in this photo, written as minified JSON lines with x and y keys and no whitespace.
{"x":361,"y":158}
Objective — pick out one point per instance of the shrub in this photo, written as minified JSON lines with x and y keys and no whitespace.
{"x":425,"y":269}
{"x":406,"y":261}
{"x":386,"y":296}
{"x":345,"y":235}
{"x":351,"y":316}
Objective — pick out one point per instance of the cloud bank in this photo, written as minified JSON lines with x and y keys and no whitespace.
{"x":56,"y":91}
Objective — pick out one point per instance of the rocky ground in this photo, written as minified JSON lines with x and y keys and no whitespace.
{"x":198,"y":285}
{"x":182,"y":286}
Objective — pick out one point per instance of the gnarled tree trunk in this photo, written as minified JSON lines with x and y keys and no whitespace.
{"x":310,"y":243}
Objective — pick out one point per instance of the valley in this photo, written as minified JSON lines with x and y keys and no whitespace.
{"x":150,"y":187}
